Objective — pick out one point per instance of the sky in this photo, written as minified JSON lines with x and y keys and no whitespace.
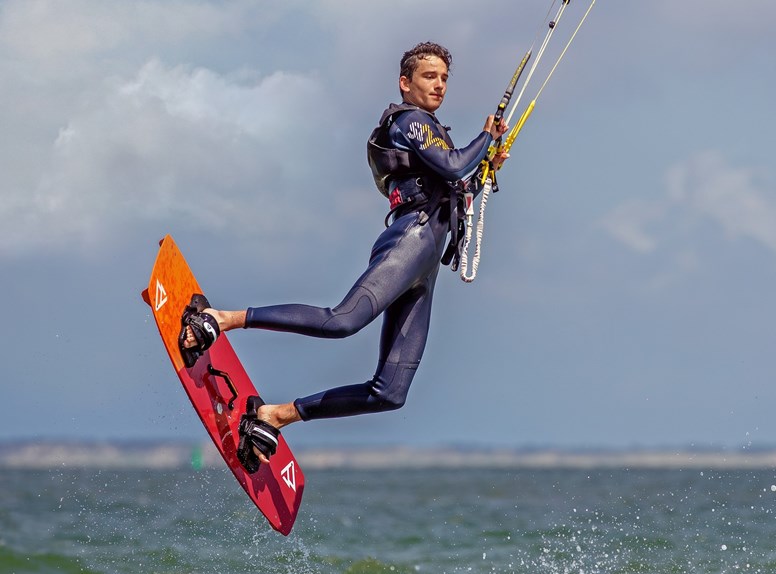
{"x":626,"y":292}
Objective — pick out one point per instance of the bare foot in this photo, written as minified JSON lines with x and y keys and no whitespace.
{"x":227,"y":320}
{"x":278,"y":416}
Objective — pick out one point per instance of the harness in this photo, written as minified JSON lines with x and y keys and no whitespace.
{"x":409,"y":185}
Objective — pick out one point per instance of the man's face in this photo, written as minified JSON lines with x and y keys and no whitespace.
{"x":428,"y":84}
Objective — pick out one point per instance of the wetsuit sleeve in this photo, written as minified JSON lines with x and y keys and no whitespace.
{"x":416,"y":131}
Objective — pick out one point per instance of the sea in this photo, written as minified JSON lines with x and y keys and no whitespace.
{"x":437,"y":521}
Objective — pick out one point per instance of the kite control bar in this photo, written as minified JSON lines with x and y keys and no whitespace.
{"x":510,"y":139}
{"x":485,"y":178}
{"x":486,"y":168}
{"x":502,"y":106}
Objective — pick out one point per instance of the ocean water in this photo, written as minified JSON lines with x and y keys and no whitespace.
{"x":397,"y":521}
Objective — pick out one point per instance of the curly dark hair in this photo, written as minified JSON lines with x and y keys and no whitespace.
{"x":410,"y":59}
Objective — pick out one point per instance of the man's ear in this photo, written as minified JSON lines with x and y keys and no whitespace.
{"x":404,"y":84}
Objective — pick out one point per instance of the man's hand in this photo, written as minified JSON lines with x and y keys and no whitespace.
{"x":499,"y":158}
{"x":495,"y":130}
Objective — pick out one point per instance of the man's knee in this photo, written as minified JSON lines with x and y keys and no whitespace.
{"x":391,"y":402}
{"x":341,"y":327}
{"x":349,"y":317}
{"x":392,"y":384}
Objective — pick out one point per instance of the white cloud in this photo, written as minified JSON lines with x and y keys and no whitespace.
{"x":108,"y":124}
{"x":260,"y":107}
{"x":628,"y":224}
{"x":733,"y":197}
{"x":173,"y":142}
{"x":59,"y":32}
{"x":707,"y":187}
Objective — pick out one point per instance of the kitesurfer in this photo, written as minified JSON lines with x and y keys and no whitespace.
{"x":416,"y":165}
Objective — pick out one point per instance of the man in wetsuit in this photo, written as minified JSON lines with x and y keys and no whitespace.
{"x":415,"y":163}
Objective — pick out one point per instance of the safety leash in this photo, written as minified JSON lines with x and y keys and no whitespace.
{"x":469,"y":206}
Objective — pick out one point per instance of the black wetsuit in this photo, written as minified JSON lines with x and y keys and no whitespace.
{"x":399,"y":281}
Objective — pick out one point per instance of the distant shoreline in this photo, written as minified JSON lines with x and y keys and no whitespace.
{"x":170,"y":455}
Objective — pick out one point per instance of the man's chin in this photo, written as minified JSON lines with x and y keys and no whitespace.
{"x":432,"y":105}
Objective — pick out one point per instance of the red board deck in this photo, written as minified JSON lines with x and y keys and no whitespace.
{"x":277,"y":488}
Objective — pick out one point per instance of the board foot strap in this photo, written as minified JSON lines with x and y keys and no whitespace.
{"x":255,"y":433}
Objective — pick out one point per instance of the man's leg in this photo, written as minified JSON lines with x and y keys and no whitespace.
{"x":400,"y":281}
{"x":402,"y":257}
{"x":402,"y":342}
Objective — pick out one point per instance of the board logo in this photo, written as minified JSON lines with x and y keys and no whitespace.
{"x":289,"y":475}
{"x":161,"y":296}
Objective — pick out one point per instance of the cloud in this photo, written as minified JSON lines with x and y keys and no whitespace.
{"x":171,"y":142}
{"x":119,"y":114}
{"x":703,"y":187}
{"x":629,"y":221}
{"x":732,"y":197}
{"x":58,"y":33}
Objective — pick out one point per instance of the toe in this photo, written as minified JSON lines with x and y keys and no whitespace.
{"x":190,"y":339}
{"x":262,"y":458}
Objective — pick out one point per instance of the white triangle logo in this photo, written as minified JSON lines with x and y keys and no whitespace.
{"x":289,"y":475}
{"x":161,"y":296}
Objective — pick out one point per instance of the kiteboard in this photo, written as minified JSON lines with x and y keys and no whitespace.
{"x":218,"y":387}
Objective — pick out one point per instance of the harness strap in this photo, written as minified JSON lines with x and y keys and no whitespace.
{"x":404,"y":201}
{"x":452,"y":254}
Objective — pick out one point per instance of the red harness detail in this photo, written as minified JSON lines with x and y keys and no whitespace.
{"x":395,"y":198}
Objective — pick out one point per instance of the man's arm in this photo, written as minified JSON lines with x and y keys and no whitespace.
{"x":415,"y":131}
